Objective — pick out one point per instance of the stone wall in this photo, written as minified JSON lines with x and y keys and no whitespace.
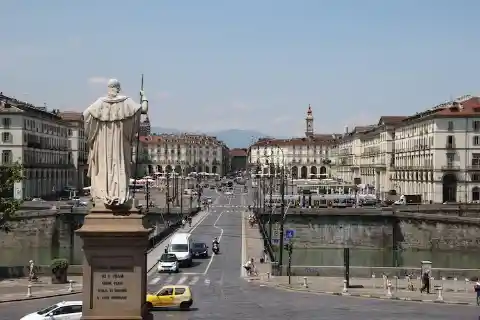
{"x":378,"y":229}
{"x":46,"y":234}
{"x":35,"y":235}
{"x":382,"y":239}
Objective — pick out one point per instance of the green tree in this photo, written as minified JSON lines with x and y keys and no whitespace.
{"x":8,"y":205}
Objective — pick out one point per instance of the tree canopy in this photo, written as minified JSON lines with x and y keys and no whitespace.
{"x":8,"y":205}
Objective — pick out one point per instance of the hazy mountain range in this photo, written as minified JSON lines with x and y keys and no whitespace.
{"x":233,"y":138}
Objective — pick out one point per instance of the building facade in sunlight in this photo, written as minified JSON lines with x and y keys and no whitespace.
{"x":51,"y":148}
{"x":303,"y":158}
{"x":183,"y":153}
{"x":77,"y":144}
{"x":434,"y":153}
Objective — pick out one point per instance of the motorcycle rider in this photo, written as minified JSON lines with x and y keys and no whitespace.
{"x":215,"y":243}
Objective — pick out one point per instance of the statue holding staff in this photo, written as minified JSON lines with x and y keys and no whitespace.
{"x":111,"y":125}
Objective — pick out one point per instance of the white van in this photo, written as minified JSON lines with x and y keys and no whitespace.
{"x":181,"y":246}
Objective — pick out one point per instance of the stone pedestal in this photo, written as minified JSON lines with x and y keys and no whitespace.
{"x":114,"y":266}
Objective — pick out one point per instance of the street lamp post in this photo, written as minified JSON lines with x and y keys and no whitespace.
{"x":182,"y":181}
{"x":147,"y":195}
{"x":199,"y":191}
{"x":168,"y":191}
{"x":282,"y":190}
{"x":282,"y":222}
{"x":270,"y":217}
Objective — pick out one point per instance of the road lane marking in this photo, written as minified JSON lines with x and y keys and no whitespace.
{"x":167,"y":239}
{"x":207,"y":282}
{"x":155,"y":281}
{"x":193,"y":281}
{"x":192,"y":273}
{"x":182,"y":280}
{"x":169,"y":280}
{"x":219,"y":238}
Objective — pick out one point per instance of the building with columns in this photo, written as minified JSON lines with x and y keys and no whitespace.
{"x":434,"y":153}
{"x":303,"y":157}
{"x":183,"y":153}
{"x":39,"y":140}
{"x":363,"y":156}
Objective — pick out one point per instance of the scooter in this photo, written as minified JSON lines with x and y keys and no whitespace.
{"x":215,"y":248}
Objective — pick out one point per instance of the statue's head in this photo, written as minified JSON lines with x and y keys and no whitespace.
{"x":113,"y":88}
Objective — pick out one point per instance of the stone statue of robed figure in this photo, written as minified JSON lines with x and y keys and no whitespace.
{"x":111,"y":125}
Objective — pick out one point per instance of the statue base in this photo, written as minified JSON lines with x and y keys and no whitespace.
{"x":115,"y":243}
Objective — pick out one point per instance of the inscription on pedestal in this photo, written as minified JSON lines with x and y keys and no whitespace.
{"x":112,"y":286}
{"x":110,"y":282}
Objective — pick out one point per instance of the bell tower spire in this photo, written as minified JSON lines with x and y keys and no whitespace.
{"x":309,"y":122}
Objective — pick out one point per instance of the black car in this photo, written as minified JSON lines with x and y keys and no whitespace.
{"x":200,"y":249}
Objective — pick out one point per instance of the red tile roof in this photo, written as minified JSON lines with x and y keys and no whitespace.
{"x":71,"y":116}
{"x":466,"y":106}
{"x":238,"y":152}
{"x":181,"y":138}
{"x":389,"y":120}
{"x":317,"y":140}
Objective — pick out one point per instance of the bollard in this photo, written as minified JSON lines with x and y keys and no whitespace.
{"x":29,"y":291}
{"x":305,"y":282}
{"x":466,"y":284}
{"x":440,"y":296}
{"x":268,"y":276}
{"x":455,"y":284}
{"x":70,"y":285}
{"x":345,"y":288}
{"x":373,"y":280}
{"x":389,"y":289}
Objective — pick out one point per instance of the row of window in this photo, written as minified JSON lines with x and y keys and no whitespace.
{"x":37,"y":126}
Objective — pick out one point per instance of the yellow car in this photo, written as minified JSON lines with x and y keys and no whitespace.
{"x":171,"y":296}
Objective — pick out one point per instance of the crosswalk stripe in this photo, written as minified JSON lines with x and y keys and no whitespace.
{"x":155,"y":280}
{"x":182,"y":280}
{"x":193,"y":281}
{"x":176,"y":280}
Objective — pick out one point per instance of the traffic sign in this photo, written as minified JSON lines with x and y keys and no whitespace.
{"x":289,"y":233}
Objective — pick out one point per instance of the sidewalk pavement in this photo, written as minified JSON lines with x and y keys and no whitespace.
{"x":254,"y":246}
{"x":17,"y":289}
{"x":452,"y":293}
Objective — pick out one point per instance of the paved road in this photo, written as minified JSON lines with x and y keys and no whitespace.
{"x":220,"y":293}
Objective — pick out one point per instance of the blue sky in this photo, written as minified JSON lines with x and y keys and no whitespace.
{"x":213,"y":65}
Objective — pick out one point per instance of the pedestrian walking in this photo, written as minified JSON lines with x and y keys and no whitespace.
{"x":425,"y":282}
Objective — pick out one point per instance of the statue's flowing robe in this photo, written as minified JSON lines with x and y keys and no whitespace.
{"x":111,"y":126}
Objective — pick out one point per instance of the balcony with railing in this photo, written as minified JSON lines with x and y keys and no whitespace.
{"x":451,"y":167}
{"x":475,"y":166}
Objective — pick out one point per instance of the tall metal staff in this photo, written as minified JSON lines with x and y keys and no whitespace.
{"x":137,"y":125}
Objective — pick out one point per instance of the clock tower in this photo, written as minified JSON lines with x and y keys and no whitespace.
{"x":309,"y":122}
